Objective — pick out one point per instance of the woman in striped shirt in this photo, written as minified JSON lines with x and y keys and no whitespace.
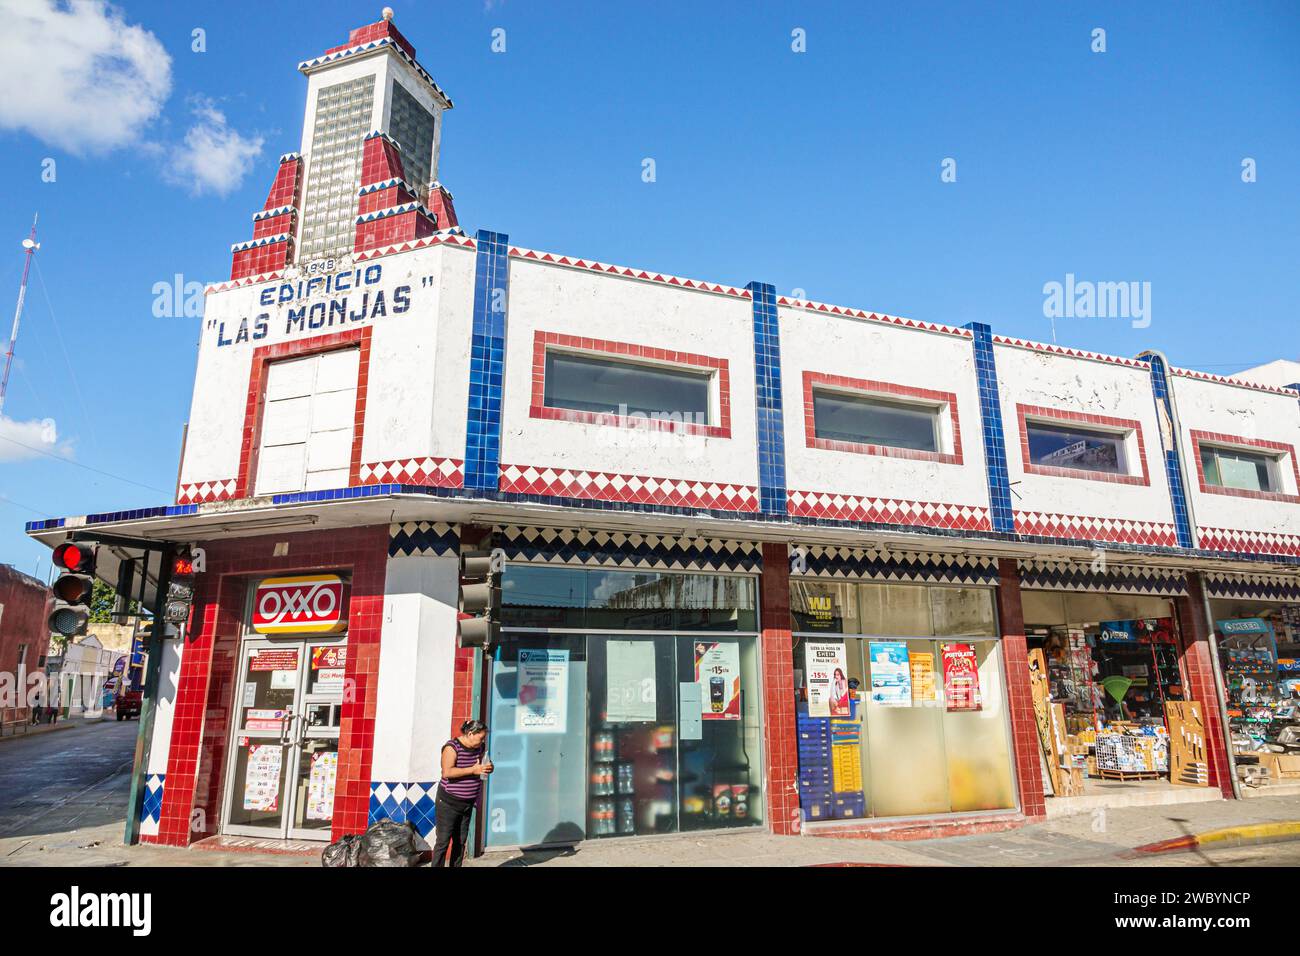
{"x":464,"y":764}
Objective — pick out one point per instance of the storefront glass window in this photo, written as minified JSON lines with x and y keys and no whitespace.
{"x":920,"y":723}
{"x":601,"y":734}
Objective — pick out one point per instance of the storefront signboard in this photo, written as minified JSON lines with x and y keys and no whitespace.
{"x":961,"y":677}
{"x":320,"y":785}
{"x":262,"y":778}
{"x":891,"y":675}
{"x":1248,"y":625}
{"x":828,"y":685}
{"x":306,"y":604}
{"x":543,"y":691}
{"x":630,"y":681}
{"x":1118,"y":632}
{"x":717,"y":671}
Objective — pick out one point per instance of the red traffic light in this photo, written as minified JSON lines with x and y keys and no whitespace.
{"x":73,"y":557}
{"x":182,"y":566}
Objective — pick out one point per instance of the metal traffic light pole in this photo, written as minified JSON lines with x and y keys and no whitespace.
{"x":148,"y":707}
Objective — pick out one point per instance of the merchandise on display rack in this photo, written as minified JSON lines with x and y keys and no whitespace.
{"x":1110,"y":684}
{"x":1259,"y":666}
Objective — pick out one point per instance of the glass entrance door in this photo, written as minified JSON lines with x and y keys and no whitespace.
{"x":284,"y":752}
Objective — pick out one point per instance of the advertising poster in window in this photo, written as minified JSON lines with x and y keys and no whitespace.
{"x":717,"y":671}
{"x":543,"y":691}
{"x":922,"y":678}
{"x":630,"y":681}
{"x":891,"y":674}
{"x":961,"y":677}
{"x":320,"y":785}
{"x":828,"y":684}
{"x":262,"y":778}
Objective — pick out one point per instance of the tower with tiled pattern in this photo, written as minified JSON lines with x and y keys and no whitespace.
{"x":366,"y":175}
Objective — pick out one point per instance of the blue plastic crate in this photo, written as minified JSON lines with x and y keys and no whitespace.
{"x":816,"y":809}
{"x":848,"y":806}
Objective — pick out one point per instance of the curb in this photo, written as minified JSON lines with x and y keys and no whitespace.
{"x":1278,"y":832}
{"x":65,"y":723}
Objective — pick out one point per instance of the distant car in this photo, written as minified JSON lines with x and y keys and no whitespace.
{"x":127,"y":704}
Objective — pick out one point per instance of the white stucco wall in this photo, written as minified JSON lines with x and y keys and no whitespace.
{"x":1081,"y":385}
{"x":577,"y":302}
{"x":1247,"y":413}
{"x":413,"y":383}
{"x":879,"y":352}
{"x":417,"y":652}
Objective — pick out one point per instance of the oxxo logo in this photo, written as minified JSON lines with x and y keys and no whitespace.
{"x":77,"y":909}
{"x":314,"y":603}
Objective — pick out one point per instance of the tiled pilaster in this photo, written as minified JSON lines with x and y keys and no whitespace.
{"x":1020,"y":699}
{"x":487,"y":362}
{"x":781,"y":762}
{"x":1198,"y":670}
{"x":767,"y":394}
{"x":995,"y":445}
{"x":1173,"y":466}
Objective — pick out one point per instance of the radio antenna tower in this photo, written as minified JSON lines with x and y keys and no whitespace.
{"x":31,"y":245}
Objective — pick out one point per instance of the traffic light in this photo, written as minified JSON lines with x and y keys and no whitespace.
{"x":480,"y":599}
{"x":73,"y":589}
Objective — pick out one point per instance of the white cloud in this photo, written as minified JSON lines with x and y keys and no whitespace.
{"x":30,"y":439}
{"x":214,"y":157}
{"x":77,"y":76}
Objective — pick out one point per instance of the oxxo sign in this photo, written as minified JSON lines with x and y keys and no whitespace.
{"x":307,"y":604}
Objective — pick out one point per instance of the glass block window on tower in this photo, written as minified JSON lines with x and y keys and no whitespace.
{"x":412,"y":126}
{"x":343,"y":118}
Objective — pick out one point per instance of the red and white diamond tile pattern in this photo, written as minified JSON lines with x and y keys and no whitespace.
{"x":1256,"y":542}
{"x":637,"y":489}
{"x":201,"y":492}
{"x":437,"y":472}
{"x":1110,"y":530}
{"x":926,"y":514}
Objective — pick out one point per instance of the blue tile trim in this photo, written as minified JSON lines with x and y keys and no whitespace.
{"x":1173,"y":468}
{"x":995,"y":445}
{"x":618,"y":550}
{"x":487,"y":362}
{"x":883,"y":565}
{"x":768,"y":405}
{"x":403,"y":802}
{"x":151,"y":806}
{"x":423,"y":539}
{"x":1066,"y":576}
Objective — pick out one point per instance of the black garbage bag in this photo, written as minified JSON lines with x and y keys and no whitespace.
{"x":346,"y":851}
{"x":388,"y":843}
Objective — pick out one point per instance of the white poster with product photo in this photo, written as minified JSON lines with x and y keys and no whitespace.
{"x":630,"y":681}
{"x":828,"y":688}
{"x":320,"y":785}
{"x":262,"y":777}
{"x":543,"y":677}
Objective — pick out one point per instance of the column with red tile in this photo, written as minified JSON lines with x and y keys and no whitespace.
{"x":1020,"y":699}
{"x":201,"y":725}
{"x":1198,"y":670}
{"x":781,"y":765}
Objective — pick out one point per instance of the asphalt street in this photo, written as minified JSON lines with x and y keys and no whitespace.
{"x":65,"y":780}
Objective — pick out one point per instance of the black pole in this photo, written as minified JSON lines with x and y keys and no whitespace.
{"x":153,"y":669}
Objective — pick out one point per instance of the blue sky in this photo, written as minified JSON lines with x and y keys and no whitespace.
{"x":818,"y":171}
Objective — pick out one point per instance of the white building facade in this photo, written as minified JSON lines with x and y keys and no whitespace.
{"x":696,"y":486}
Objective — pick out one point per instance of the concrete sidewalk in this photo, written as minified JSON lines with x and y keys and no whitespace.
{"x":1107,"y":839}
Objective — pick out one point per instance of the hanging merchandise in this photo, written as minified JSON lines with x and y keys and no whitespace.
{"x":1188,"y":761}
